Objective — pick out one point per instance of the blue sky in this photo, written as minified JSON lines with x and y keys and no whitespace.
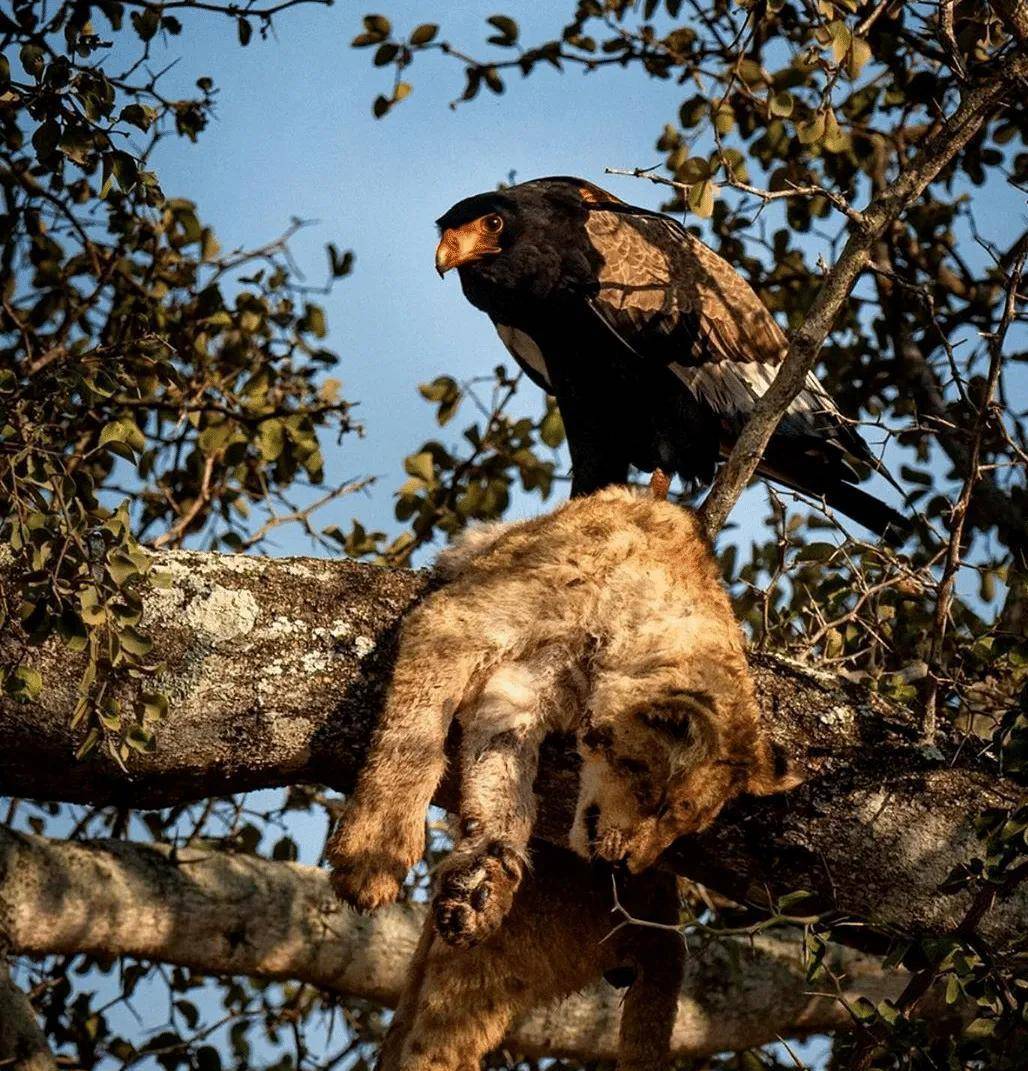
{"x":294,"y":136}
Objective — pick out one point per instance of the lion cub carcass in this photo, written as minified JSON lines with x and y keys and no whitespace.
{"x":605,"y":619}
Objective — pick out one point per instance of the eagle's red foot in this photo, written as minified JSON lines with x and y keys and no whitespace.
{"x":660,"y":484}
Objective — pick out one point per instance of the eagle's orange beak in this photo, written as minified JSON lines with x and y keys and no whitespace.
{"x":462,"y":245}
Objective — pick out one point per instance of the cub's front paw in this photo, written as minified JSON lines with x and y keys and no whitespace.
{"x":367,"y":872}
{"x":476,"y":889}
{"x":366,"y":884}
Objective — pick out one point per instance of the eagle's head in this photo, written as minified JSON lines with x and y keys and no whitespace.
{"x":527,"y":239}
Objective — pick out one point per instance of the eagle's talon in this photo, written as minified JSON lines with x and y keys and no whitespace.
{"x":660,"y":484}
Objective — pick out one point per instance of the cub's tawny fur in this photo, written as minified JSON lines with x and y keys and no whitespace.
{"x":606,"y":619}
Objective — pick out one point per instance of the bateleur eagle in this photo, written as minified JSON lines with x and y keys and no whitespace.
{"x":655,"y":348}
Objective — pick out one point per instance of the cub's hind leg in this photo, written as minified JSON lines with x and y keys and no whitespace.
{"x":459,"y":1003}
{"x":501,"y":734}
{"x":381,"y":833}
{"x":657,"y":960}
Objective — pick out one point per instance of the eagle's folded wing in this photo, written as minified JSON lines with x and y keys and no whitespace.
{"x":671,"y":299}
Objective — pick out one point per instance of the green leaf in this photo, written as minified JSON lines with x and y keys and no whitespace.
{"x":750,"y":72}
{"x":859,"y":54}
{"x":45,"y":139}
{"x":272,"y":438}
{"x":551,"y":428}
{"x":695,"y":169}
{"x":138,"y":116}
{"x":245,"y":31}
{"x":508,"y":30}
{"x":840,"y":39}
{"x":789,"y":899}
{"x":701,"y":198}
{"x":836,"y":140}
{"x":863,"y":1009}
{"x":781,"y":104}
{"x":123,"y":431}
{"x":385,"y":54}
{"x":155,"y":707}
{"x":421,"y":466}
{"x":122,"y":568}
{"x":33,"y":59}
{"x":724,"y":119}
{"x":812,"y":130}
{"x":135,"y":642}
{"x":816,"y":552}
{"x":24,"y":684}
{"x":888,"y":1012}
{"x":92,"y":739}
{"x":141,"y":739}
{"x":146,"y":22}
{"x":378,"y":24}
{"x":424,"y":33}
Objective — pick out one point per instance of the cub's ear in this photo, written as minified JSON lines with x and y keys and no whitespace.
{"x":772,"y":771}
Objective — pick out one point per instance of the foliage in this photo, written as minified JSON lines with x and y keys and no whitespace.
{"x":156,"y":390}
{"x":151,"y":385}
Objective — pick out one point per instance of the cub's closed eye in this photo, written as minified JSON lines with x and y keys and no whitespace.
{"x":493,"y":224}
{"x":677,"y":725}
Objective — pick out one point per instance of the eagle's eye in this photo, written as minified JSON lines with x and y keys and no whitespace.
{"x":493,"y":224}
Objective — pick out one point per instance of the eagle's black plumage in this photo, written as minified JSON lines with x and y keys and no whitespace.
{"x":655,"y":348}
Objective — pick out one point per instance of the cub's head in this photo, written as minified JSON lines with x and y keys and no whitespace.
{"x":664,"y":769}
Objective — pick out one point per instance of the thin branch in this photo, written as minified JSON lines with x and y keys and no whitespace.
{"x":806,"y":343}
{"x":836,"y":200}
{"x":959,"y":512}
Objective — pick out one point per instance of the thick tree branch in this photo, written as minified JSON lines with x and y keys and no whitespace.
{"x":938,"y":150}
{"x":239,"y":915}
{"x":275,"y":670}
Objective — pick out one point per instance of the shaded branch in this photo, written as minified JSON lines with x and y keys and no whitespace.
{"x":275,"y":668}
{"x":23,"y":1045}
{"x":223,"y":914}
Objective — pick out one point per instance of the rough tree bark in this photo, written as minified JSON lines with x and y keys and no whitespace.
{"x":240,"y":915}
{"x":275,"y":669}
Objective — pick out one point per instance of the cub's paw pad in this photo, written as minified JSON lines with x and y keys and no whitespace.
{"x":475,"y":893}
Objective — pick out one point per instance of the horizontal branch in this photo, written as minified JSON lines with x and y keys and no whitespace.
{"x":225,"y":914}
{"x":275,"y":670}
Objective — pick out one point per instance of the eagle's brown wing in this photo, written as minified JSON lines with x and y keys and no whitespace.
{"x":670,"y":298}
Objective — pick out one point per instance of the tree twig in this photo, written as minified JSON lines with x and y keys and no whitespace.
{"x":958,"y":514}
{"x":805,"y":344}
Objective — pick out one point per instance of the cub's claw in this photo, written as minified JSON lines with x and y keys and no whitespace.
{"x":476,"y":890}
